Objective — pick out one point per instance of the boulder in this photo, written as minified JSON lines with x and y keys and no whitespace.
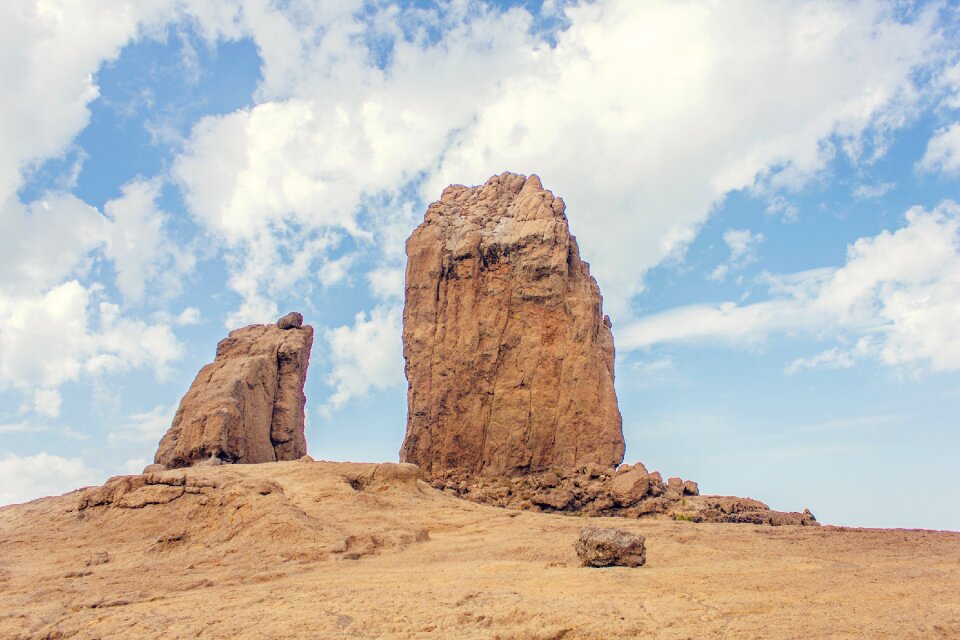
{"x":597,"y":547}
{"x":247,"y":405}
{"x":630,"y":488}
{"x":509,"y":358}
{"x":292,"y":320}
{"x":555,"y":499}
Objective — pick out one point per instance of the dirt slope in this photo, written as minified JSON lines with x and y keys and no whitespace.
{"x":326,"y":550}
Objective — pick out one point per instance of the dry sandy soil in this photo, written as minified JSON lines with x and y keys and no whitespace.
{"x":327,"y":550}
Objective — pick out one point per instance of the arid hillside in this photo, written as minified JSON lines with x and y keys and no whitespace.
{"x":337,"y":550}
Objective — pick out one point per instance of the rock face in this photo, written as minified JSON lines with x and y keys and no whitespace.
{"x":509,"y":358}
{"x":247,"y":405}
{"x":598,"y":547}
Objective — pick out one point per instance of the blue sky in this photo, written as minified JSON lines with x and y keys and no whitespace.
{"x":767,"y":192}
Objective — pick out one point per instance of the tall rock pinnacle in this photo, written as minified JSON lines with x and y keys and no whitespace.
{"x":247,"y":405}
{"x":509,"y":358}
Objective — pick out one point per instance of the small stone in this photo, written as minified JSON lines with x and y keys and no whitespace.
{"x":598,"y":547}
{"x":292,"y":320}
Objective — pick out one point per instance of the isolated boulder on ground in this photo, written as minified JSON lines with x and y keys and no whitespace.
{"x":247,"y":405}
{"x":509,"y":358}
{"x":597,"y":547}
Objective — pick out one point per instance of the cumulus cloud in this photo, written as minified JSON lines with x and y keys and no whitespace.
{"x":137,"y":244}
{"x":386,"y":282}
{"x":663,"y":90}
{"x":898,"y":295}
{"x":65,"y":227}
{"x":49,"y":339}
{"x":187,"y":317}
{"x":51,"y":52}
{"x":366,"y":356}
{"x":29,"y":477}
{"x":943,"y":151}
{"x":47,"y":402}
{"x":53,"y":325}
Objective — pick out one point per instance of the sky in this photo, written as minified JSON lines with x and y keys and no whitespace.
{"x":768,"y":193}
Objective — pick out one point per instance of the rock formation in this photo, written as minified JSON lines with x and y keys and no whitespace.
{"x":509,"y":358}
{"x":247,"y":405}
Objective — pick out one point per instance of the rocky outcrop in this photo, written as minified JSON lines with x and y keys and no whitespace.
{"x":247,"y":405}
{"x":509,"y":358}
{"x":589,"y":490}
{"x":598,"y":547}
{"x":627,"y":492}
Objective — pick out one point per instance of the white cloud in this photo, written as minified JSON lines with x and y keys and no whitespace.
{"x":52,"y":50}
{"x":386,"y":283}
{"x":950,"y":79}
{"x":29,"y":477}
{"x":898,"y":294}
{"x":778,"y":205}
{"x":148,"y":426}
{"x":47,"y":402}
{"x":654,"y":366}
{"x":742,"y":244}
{"x":743,"y":251}
{"x":49,"y":339}
{"x":833,"y":358}
{"x":19,"y":427}
{"x":366,"y":356}
{"x":943,"y":151}
{"x":136,"y":243}
{"x":49,"y":328}
{"x":719,"y":274}
{"x":134,"y":466}
{"x":643,"y":116}
{"x":873,"y":191}
{"x":187,"y":317}
{"x":66,"y":228}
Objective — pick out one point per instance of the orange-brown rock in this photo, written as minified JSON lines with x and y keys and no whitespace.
{"x":247,"y":405}
{"x":509,"y":358}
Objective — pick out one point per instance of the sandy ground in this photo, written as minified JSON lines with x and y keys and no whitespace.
{"x":326,"y":550}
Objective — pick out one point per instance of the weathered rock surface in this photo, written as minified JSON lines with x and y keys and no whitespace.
{"x":247,"y":405}
{"x":597,"y":547}
{"x":509,"y":357}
